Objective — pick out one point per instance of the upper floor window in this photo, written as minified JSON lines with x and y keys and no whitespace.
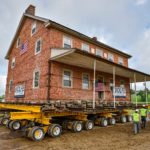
{"x":13,"y":63}
{"x":10,"y":85}
{"x":67,"y":42}
{"x":110,"y":57}
{"x":36,"y":77}
{"x":33,"y":28}
{"x":18,"y":42}
{"x":99,"y":52}
{"x":67,"y":78}
{"x":85,"y":81}
{"x":85,"y":47}
{"x":120,"y":61}
{"x":38,"y":46}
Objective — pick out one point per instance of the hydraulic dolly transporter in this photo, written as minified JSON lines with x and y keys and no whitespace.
{"x":58,"y":77}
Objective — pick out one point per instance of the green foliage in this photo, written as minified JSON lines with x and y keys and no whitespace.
{"x":2,"y":97}
{"x":141,"y":95}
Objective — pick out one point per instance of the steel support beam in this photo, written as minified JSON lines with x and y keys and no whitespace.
{"x":135,"y":88}
{"x":146,"y":91}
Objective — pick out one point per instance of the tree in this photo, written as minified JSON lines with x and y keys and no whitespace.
{"x":142,"y":95}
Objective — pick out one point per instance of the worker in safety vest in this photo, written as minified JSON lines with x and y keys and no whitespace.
{"x":143,"y":113}
{"x":136,"y":121}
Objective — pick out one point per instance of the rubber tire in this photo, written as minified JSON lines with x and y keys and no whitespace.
{"x":86,"y":125}
{"x":75,"y":124}
{"x":8,"y":124}
{"x":11,"y":125}
{"x":111,"y":121}
{"x":123,"y":119}
{"x":51,"y":128}
{"x":31,"y":133}
{"x":103,"y":120}
{"x":4,"y":119}
{"x":129,"y":118}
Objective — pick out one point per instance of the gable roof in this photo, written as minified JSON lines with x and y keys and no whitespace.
{"x":50,"y":23}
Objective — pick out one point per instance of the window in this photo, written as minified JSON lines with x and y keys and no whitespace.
{"x":10,"y":85}
{"x":33,"y":29}
{"x":18,"y":42}
{"x":67,"y":42}
{"x":85,"y":47}
{"x":13,"y":63}
{"x":110,"y":57}
{"x":99,"y":52}
{"x":36,"y":78}
{"x":85,"y":81}
{"x":120,"y":61}
{"x":67,"y":78}
{"x":38,"y":46}
{"x":111,"y":85}
{"x":122,"y":83}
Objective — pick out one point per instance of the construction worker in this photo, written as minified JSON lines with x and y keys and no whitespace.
{"x":143,"y":113}
{"x":136,"y":121}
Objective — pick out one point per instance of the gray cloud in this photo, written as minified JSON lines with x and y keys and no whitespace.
{"x":119,"y":23}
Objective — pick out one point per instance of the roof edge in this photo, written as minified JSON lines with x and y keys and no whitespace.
{"x":51,"y":23}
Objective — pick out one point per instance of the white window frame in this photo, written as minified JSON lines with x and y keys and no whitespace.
{"x":68,"y":38}
{"x":36,"y":46}
{"x":35,"y":71}
{"x":88,"y":81}
{"x":10,"y":88}
{"x":110,"y":57}
{"x":99,"y":50}
{"x":13,"y":62}
{"x":18,"y":42}
{"x":87,"y":46}
{"x":71,"y":73}
{"x":34,"y":25}
{"x":120,"y":62}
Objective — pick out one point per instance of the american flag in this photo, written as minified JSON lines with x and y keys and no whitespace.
{"x":24,"y":47}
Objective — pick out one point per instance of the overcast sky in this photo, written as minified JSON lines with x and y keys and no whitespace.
{"x":123,"y":24}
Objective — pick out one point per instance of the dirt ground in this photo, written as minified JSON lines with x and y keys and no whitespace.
{"x":119,"y":137}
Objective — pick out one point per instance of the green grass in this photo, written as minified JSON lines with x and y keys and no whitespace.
{"x":139,"y":100}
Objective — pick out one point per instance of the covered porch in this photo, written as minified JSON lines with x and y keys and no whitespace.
{"x":80,"y":58}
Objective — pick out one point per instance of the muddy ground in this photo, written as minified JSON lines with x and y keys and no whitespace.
{"x":119,"y":137}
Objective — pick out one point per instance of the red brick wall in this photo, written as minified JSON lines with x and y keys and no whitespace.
{"x":57,"y":42}
{"x":28,"y":62}
{"x":59,"y":92}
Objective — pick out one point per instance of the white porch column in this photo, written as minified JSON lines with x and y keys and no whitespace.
{"x":114,"y":85}
{"x":94,"y":83}
{"x":146,"y":90}
{"x":135,"y":88}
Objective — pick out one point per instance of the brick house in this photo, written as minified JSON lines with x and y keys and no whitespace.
{"x":48,"y":61}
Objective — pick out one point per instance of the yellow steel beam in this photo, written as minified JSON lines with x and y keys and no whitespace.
{"x":21,"y":107}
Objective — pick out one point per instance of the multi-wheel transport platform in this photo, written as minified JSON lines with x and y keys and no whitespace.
{"x":35,"y":121}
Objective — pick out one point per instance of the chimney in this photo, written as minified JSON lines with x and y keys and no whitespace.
{"x":94,"y":38}
{"x":30,"y":10}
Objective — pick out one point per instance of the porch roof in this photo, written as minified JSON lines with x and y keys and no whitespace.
{"x":80,"y":58}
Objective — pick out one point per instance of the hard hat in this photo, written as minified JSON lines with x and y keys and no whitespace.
{"x":136,"y":110}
